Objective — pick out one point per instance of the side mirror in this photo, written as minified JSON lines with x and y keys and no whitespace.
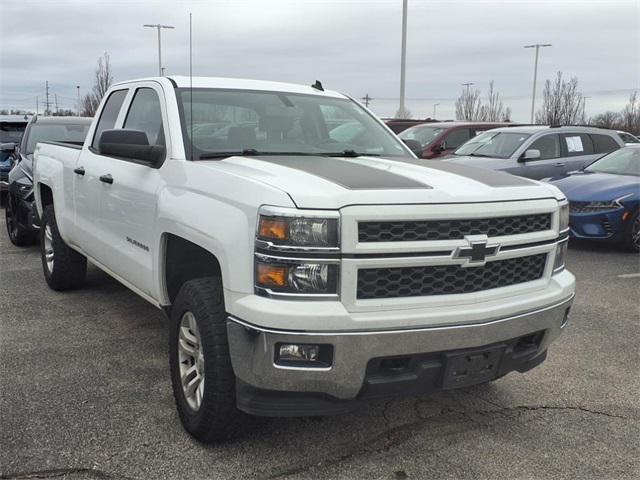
{"x":414,"y":146}
{"x":530,"y":155}
{"x":8,"y":147}
{"x":132,"y":144}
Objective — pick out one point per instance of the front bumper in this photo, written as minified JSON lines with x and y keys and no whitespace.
{"x":252,"y":350}
{"x":596,"y":226}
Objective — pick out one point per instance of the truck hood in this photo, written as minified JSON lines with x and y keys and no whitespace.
{"x":335,"y":182}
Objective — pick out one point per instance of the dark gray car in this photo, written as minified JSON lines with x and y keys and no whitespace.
{"x":537,"y":151}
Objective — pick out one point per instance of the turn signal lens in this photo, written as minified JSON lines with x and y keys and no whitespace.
{"x":271,"y":275}
{"x":273,"y":228}
{"x":561,"y":254}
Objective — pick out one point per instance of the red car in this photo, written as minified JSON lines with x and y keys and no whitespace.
{"x":438,"y":139}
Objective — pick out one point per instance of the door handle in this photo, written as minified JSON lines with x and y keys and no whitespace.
{"x":79,"y":171}
{"x":559,"y":164}
{"x":106,"y":178}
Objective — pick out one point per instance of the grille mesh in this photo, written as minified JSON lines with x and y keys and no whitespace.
{"x":407,"y":231}
{"x":447,"y":279}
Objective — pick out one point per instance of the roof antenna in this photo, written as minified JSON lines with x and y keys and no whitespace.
{"x":318,"y":86}
{"x":190,"y":86}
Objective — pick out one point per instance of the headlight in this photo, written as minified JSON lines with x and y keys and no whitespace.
{"x":295,"y":278}
{"x":297,"y":229}
{"x":297,"y":253}
{"x":584,"y":207}
{"x":561,"y":254}
{"x":564,"y":216}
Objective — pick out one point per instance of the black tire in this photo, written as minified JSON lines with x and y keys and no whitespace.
{"x":18,"y":235}
{"x":69,"y":268}
{"x":631,"y":239}
{"x":217,"y":414}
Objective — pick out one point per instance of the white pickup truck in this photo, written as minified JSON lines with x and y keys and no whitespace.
{"x":306,"y":259}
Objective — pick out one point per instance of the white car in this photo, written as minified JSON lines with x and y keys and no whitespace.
{"x":302,"y":274}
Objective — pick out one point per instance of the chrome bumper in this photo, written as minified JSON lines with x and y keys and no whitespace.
{"x":252,"y":348}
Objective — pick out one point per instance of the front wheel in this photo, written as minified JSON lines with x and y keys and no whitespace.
{"x":63,"y":267}
{"x":201,"y":373}
{"x":632,"y":232}
{"x":18,"y":235}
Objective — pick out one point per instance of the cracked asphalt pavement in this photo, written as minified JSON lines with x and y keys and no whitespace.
{"x":85,"y":394}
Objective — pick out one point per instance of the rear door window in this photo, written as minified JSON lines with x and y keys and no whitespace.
{"x":457,"y":138}
{"x":603,"y":143}
{"x":109,"y":115}
{"x":575,"y":144}
{"x":549,"y":147}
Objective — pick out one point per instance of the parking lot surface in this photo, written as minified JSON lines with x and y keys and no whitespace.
{"x":85,"y":394}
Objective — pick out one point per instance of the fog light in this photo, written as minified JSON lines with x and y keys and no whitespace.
{"x":303,"y":355}
{"x":290,"y":352}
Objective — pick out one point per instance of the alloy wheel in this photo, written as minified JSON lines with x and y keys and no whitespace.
{"x":48,"y":247}
{"x":191,"y":361}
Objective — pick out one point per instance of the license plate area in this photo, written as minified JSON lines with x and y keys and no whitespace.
{"x":464,"y":369}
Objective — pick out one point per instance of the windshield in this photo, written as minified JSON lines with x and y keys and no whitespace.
{"x":625,"y":161}
{"x":51,"y":132}
{"x":424,"y":135}
{"x":493,"y":144}
{"x":11,"y":132}
{"x":628,"y":138}
{"x":228,"y":122}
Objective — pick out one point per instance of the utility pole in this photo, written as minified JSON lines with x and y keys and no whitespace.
{"x":403,"y":58}
{"x":159,"y":27}
{"x":535,"y":74}
{"x":37,"y":105}
{"x":584,"y":107}
{"x":366,"y":99}
{"x":56,"y":97}
{"x":467,"y":85}
{"x":434,"y":110}
{"x":46,"y":105}
{"x":79,"y":106}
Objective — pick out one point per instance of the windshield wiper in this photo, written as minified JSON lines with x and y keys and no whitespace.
{"x":348,"y":154}
{"x":479,"y":155}
{"x":248,"y":152}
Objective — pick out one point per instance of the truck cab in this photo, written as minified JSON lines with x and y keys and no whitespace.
{"x":302,"y":273}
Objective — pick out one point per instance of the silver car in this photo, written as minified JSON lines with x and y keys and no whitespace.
{"x":537,"y":151}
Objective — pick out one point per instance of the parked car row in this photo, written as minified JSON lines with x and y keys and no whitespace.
{"x":11,"y":129}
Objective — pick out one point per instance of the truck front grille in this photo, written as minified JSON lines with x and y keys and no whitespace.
{"x":411,"y":231}
{"x":398,"y":282}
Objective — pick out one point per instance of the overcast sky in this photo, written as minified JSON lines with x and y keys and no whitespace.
{"x":351,"y":46}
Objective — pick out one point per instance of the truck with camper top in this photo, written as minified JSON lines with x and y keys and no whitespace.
{"x":302,"y":274}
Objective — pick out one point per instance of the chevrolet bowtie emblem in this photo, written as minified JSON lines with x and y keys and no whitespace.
{"x":477,"y":251}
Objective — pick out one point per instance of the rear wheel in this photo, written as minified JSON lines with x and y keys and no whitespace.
{"x":632,"y":233}
{"x":201,"y":372}
{"x":63,"y":267}
{"x":18,"y":235}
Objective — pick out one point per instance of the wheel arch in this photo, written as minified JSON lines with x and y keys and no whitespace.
{"x":183,"y":260}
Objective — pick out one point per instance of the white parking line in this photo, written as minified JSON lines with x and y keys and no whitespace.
{"x":629,"y":275}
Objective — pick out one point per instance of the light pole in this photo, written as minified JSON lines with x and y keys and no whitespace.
{"x":584,"y":107}
{"x":434,"y":110}
{"x":159,"y":27}
{"x":535,"y":74}
{"x":403,"y":58}
{"x":78,"y":88}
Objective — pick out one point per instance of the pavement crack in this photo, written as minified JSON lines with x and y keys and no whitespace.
{"x":58,"y":472}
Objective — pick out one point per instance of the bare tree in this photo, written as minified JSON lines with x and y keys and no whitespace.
{"x":494,"y":110}
{"x":630,"y":115}
{"x":606,"y":120}
{"x":103,"y":80}
{"x":469,"y":106}
{"x":562,"y":103}
{"x":400,"y":113}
